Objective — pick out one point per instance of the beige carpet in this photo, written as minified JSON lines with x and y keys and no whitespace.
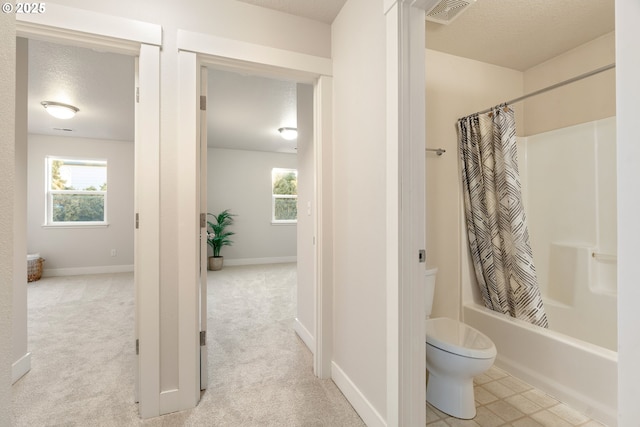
{"x":260,"y":373}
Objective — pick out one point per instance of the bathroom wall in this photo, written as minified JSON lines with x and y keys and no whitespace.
{"x":455,"y":87}
{"x":583,"y":101}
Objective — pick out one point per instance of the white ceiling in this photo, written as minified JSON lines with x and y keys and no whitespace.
{"x":515,"y":34}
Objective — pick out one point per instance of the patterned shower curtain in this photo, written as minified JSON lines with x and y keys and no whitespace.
{"x":495,"y":217}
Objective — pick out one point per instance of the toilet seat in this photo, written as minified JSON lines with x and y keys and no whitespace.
{"x":458,"y":338}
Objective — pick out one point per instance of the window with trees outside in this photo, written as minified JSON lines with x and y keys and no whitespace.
{"x":76,"y":191}
{"x":284,"y":196}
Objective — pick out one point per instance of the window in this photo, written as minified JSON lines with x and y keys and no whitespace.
{"x":76,"y":191}
{"x":284,"y":196}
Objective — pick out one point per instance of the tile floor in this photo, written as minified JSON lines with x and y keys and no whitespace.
{"x":505,"y":401}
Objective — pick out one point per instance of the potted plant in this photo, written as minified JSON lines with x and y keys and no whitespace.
{"x":218,"y":236}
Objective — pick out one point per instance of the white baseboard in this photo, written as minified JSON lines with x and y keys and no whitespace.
{"x":363,"y":407}
{"x":78,"y":271}
{"x":20,"y":367}
{"x":304,"y":335}
{"x":257,"y":261}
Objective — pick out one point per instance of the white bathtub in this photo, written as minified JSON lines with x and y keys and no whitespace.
{"x":575,"y":372}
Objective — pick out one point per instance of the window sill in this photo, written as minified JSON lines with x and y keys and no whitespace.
{"x":82,"y":225}
{"x":284,"y":223}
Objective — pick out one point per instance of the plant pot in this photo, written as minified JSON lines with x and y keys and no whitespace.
{"x":215,"y":263}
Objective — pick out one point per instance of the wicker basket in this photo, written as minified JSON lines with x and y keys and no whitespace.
{"x":34,"y":269}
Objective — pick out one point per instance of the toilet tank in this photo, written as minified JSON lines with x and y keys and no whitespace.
{"x":430,"y":287}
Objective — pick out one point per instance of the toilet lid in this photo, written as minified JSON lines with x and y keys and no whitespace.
{"x":458,"y":338}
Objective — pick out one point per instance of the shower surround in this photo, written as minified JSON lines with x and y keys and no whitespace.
{"x":457,"y":86}
{"x":569,"y":188}
{"x":569,"y":191}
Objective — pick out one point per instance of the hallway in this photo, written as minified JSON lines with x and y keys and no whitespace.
{"x":260,"y":372}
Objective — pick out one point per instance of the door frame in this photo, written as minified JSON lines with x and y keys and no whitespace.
{"x":143,"y":40}
{"x":405,"y":89}
{"x":204,"y":244}
{"x":196,"y":50}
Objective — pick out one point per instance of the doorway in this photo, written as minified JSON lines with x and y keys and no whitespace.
{"x":189,"y":66}
{"x":251,"y":169}
{"x":124,"y":37}
{"x":86,"y":206}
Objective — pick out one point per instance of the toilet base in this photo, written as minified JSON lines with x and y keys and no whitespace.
{"x":452,"y":396}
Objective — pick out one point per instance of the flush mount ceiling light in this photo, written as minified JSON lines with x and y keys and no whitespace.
{"x":60,"y":110}
{"x":288,"y":133}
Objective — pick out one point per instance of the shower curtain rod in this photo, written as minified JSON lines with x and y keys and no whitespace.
{"x":438,"y":151}
{"x":557,"y":85}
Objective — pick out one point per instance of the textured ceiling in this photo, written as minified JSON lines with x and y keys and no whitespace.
{"x":245,"y":112}
{"x":515,"y":34}
{"x":101,"y":85}
{"x":519,"y":34}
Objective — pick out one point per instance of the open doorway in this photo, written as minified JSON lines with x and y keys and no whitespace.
{"x":565,"y":103}
{"x":139,"y":42}
{"x":287,"y":65}
{"x":84,"y":226}
{"x":79,"y":207}
{"x":244,"y":113}
{"x":249,"y":164}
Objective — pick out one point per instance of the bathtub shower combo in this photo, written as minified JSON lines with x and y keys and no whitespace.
{"x":568,"y":179}
{"x":575,"y":360}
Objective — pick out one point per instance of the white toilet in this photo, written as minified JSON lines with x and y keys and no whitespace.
{"x":455,"y":354}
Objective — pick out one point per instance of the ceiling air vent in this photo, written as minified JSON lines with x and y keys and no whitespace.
{"x":447,"y":10}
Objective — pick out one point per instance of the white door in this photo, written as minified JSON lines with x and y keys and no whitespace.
{"x":204,"y":379}
{"x":146,"y":231}
{"x":136,"y":244}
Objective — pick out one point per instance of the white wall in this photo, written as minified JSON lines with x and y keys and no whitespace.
{"x":225,"y":18}
{"x":7,"y":178}
{"x":244,"y":22}
{"x":83,"y":250}
{"x":359,"y":201}
{"x":305,"y":314}
{"x":240,"y":181}
{"x":628,"y":108}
